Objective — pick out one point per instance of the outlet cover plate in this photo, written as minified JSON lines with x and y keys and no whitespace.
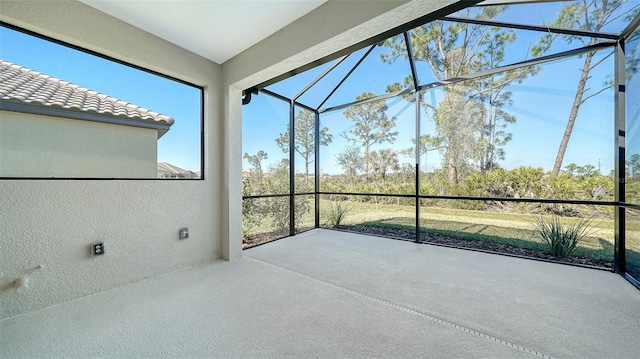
{"x":98,"y":249}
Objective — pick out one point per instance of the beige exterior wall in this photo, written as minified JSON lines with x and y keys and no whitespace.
{"x":53,"y":222}
{"x":44,"y":146}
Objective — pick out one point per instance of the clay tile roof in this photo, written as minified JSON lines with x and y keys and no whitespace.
{"x":18,"y":83}
{"x":167,"y":167}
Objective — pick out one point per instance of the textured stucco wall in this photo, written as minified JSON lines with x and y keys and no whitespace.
{"x":333,"y":26}
{"x":47,"y":146}
{"x":53,"y":222}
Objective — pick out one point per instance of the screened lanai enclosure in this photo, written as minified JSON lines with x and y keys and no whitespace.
{"x":501,"y":126}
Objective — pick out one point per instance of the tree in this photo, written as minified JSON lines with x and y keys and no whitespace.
{"x":459,"y":120}
{"x":633,"y":166}
{"x":427,"y":143}
{"x":571,"y":169}
{"x":280,"y":175}
{"x":255,"y":162}
{"x":587,"y":170}
{"x":472,"y":113}
{"x":372,"y":126}
{"x":383,"y":161}
{"x":305,"y":135}
{"x":277,"y":208}
{"x":252,"y":210}
{"x":492,"y":91}
{"x":590,"y":15}
{"x":350,"y":160}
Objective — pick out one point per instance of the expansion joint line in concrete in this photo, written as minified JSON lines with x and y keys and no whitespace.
{"x":410,"y":311}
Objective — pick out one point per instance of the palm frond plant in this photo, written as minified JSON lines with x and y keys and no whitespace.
{"x":336,"y":212}
{"x":561,"y":238}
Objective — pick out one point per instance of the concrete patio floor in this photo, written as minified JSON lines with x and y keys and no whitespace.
{"x":329,"y":294}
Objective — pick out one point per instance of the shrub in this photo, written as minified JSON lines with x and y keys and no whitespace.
{"x":336,"y":212}
{"x":253,"y":210}
{"x":279,"y":211}
{"x":560,"y":238}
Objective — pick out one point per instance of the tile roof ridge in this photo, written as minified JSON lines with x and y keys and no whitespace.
{"x":171,"y":167}
{"x":121,"y":108}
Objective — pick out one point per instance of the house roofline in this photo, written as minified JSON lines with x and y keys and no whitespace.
{"x":36,"y":108}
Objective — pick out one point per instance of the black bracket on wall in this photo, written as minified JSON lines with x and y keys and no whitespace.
{"x":246,"y":95}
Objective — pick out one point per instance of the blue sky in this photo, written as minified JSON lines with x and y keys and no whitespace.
{"x":541,"y":105}
{"x":180,"y":146}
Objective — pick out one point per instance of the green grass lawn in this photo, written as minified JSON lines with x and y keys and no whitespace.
{"x":514,"y":229}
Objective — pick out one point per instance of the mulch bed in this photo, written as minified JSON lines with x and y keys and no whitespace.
{"x":438,"y":239}
{"x":487,"y":246}
{"x":254,"y":240}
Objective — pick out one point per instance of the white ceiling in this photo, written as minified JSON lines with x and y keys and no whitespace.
{"x":214,"y":29}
